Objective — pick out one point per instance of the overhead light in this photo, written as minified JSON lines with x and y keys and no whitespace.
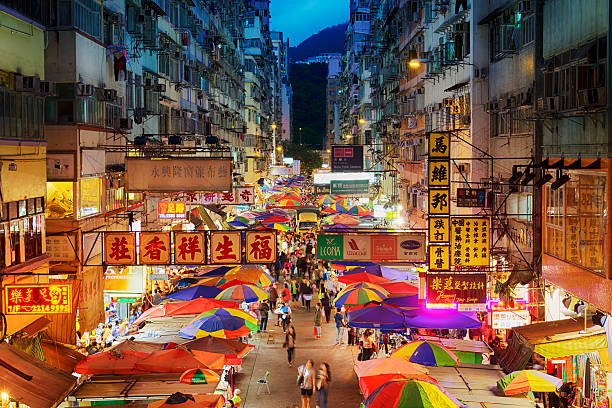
{"x":543,"y":180}
{"x":529,"y":176}
{"x":560,"y":181}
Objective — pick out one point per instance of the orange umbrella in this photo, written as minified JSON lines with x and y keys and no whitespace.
{"x":362,"y":277}
{"x":373,"y":373}
{"x":110,"y":362}
{"x":180,"y":360}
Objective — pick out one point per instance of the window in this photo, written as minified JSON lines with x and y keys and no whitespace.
{"x":59,"y":203}
{"x":138,"y":91}
{"x":89,"y":197}
{"x":23,"y":229}
{"x":528,"y":30}
{"x":21,"y":116}
{"x":87,"y":17}
{"x":129,"y":91}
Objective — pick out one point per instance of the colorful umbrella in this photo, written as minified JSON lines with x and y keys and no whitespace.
{"x":199,"y":376}
{"x":228,"y":283}
{"x":334,"y":208}
{"x":279,"y":227}
{"x":222,"y":323}
{"x":178,"y":360}
{"x":362,"y":277}
{"x":110,"y":362}
{"x":409,"y":393}
{"x":238,"y":221}
{"x":374,"y":373}
{"x":398,"y":288}
{"x":194,"y":292}
{"x":243,"y":293}
{"x":326,"y":200}
{"x":180,"y":400}
{"x":358,"y":210}
{"x":378,"y":316}
{"x":360,"y":293}
{"x":251,"y":274}
{"x":218,"y":271}
{"x":385,"y":272}
{"x":528,"y":380}
{"x":288,"y":203}
{"x":226,"y":347}
{"x":342,"y":219}
{"x":442,"y":319}
{"x":194,"y":306}
{"x":186,"y":282}
{"x":427,"y":353}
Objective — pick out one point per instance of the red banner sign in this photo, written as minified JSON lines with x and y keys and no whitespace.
{"x":449,"y":288}
{"x":225,"y":247}
{"x":189,"y":248}
{"x":154,"y":248}
{"x":37,"y":299}
{"x":238,"y":196}
{"x":170,"y":210}
{"x":260,"y":247}
{"x":119,"y":248}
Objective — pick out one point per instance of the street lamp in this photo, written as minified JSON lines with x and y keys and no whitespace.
{"x":300,"y":129}
{"x":274,"y":144}
{"x":362,"y":121}
{"x":417,"y":62}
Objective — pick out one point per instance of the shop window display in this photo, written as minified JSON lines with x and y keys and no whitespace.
{"x":60,"y":200}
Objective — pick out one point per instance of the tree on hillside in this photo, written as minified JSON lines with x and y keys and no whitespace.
{"x":309,"y":159}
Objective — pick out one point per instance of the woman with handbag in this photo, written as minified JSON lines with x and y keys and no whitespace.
{"x":306,"y":381}
{"x":290,"y":345}
{"x":323,"y":379}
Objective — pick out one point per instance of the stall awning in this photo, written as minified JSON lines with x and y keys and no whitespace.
{"x":572,"y":347}
{"x":31,"y":381}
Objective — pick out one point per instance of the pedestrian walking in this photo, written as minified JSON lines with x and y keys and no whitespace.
{"x":264,"y":310}
{"x":306,"y":381}
{"x":307,"y":293}
{"x":340,"y":325}
{"x":290,"y":345}
{"x":323,"y":379}
{"x":285,"y":314}
{"x":369,"y":345}
{"x":273,"y":295}
{"x":318,"y":317}
{"x":326,"y":303}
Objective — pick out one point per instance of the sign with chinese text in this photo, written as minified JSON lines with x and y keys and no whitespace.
{"x":439,"y":229}
{"x":225,"y":247}
{"x":471,"y":197}
{"x":387,"y":247}
{"x":439,"y":258}
{"x":449,"y":288}
{"x":62,"y":248}
{"x":189,"y":248}
{"x":154,"y":248}
{"x":158,"y":277}
{"x":260,"y":246}
{"x":37,"y":299}
{"x":238,"y":196}
{"x":170,"y":210}
{"x":439,"y":173}
{"x":439,"y":145}
{"x":470,"y":241}
{"x":126,"y":279}
{"x":507,"y":319}
{"x":119,"y":248}
{"x":350,"y":187}
{"x":281,"y":171}
{"x":184,"y":174}
{"x":347,"y":158}
{"x":439,"y":201}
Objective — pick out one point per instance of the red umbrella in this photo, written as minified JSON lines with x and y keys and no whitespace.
{"x":398,"y":288}
{"x":194,"y":306}
{"x":227,"y":347}
{"x":362,"y":277}
{"x":180,"y":360}
{"x":110,"y":362}
{"x":274,"y":218}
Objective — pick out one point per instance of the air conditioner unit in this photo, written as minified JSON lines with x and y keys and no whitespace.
{"x":592,"y":97}
{"x":110,"y":95}
{"x":148,"y":83}
{"x":123,"y":123}
{"x":47,"y":88}
{"x":85,"y":89}
{"x":27,"y":83}
{"x":159,"y":88}
{"x":524,"y":6}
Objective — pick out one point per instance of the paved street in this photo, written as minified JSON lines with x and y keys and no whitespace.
{"x":344,"y":390}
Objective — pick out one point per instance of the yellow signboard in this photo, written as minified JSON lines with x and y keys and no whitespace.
{"x":439,"y":201}
{"x":154,"y":248}
{"x":470,"y":241}
{"x":439,"y":173}
{"x":225,"y":247}
{"x":439,"y":145}
{"x":119,"y":248}
{"x":439,"y":229}
{"x":439,"y":258}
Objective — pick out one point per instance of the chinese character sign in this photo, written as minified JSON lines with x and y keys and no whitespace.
{"x":439,"y":258}
{"x":471,"y":197}
{"x":37,"y":299}
{"x":244,"y":195}
{"x":439,"y":201}
{"x":260,"y":246}
{"x":154,"y":248}
{"x":119,"y":248}
{"x":470,"y":241}
{"x":170,"y":210}
{"x":225,"y":247}
{"x":237,"y":196}
{"x":439,"y":145}
{"x":439,"y":173}
{"x":189,"y":248}
{"x":448,"y":288}
{"x":439,"y":229}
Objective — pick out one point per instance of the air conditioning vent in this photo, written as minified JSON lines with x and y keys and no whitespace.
{"x":159,"y":88}
{"x":47,"y":88}
{"x":123,"y":123}
{"x":110,"y":95}
{"x":85,"y":89}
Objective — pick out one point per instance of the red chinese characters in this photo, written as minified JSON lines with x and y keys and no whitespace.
{"x":245,"y":195}
{"x":225,"y":247}
{"x":189,"y":248}
{"x":37,"y":299}
{"x":119,"y":248}
{"x":260,"y":246}
{"x":154,"y":248}
{"x":226,"y":198}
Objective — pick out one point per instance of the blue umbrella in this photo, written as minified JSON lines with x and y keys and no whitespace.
{"x":186,"y":282}
{"x":218,"y":271}
{"x":389,"y":273}
{"x":378,"y":317}
{"x":194,"y":292}
{"x":441,"y":319}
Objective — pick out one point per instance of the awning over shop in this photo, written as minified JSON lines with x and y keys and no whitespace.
{"x":32,"y":381}
{"x":30,"y":324}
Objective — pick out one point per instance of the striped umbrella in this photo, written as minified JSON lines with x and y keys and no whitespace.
{"x":222,"y":323}
{"x":360,"y":293}
{"x":279,"y":226}
{"x":411,"y":393}
{"x":292,"y":202}
{"x":326,"y":200}
{"x":358,"y":210}
{"x":238,"y":221}
{"x":428,"y":354}
{"x":240,"y":293}
{"x":334,"y":208}
{"x":199,"y":376}
{"x":528,"y":380}
{"x":252,"y":274}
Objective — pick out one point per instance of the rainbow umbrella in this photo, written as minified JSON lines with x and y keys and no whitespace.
{"x":251,"y":274}
{"x":279,"y":227}
{"x":528,"y":380}
{"x":292,"y":202}
{"x":411,"y":393}
{"x":199,"y":376}
{"x":428,"y":354}
{"x":326,"y":200}
{"x":243,"y":293}
{"x":360,"y":293}
{"x":334,"y":208}
{"x":222,"y":323}
{"x":358,"y":210}
{"x":238,"y":221}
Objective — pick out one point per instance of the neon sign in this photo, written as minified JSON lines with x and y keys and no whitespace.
{"x":37,"y":299}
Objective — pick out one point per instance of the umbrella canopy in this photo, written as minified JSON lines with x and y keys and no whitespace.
{"x":194,"y":306}
{"x":292,"y":202}
{"x":374,"y":373}
{"x":334,"y":208}
{"x":275,"y":218}
{"x":327,"y":199}
{"x":238,"y":221}
{"x":179,"y":360}
{"x":199,"y":376}
{"x":180,"y":400}
{"x":362,"y":277}
{"x":142,"y":346}
{"x":378,"y":316}
{"x":360,"y":293}
{"x":399,"y":288}
{"x":428,"y":354}
{"x":185,"y":282}
{"x":342,"y":219}
{"x":251,"y":274}
{"x":389,"y":273}
{"x":220,"y":346}
{"x":358,"y":210}
{"x":528,"y":380}
{"x":194,"y":292}
{"x":243,"y":293}
{"x":223,"y":323}
{"x":225,"y":283}
{"x":218,"y":271}
{"x":411,"y":393}
{"x":110,"y":362}
{"x":279,"y":227}
{"x":442,"y":319}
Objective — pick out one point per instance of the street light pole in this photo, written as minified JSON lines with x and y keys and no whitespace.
{"x":300,"y":129}
{"x":274,"y":144}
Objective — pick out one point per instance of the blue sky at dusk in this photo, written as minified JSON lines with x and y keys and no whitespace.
{"x":299,"y":19}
